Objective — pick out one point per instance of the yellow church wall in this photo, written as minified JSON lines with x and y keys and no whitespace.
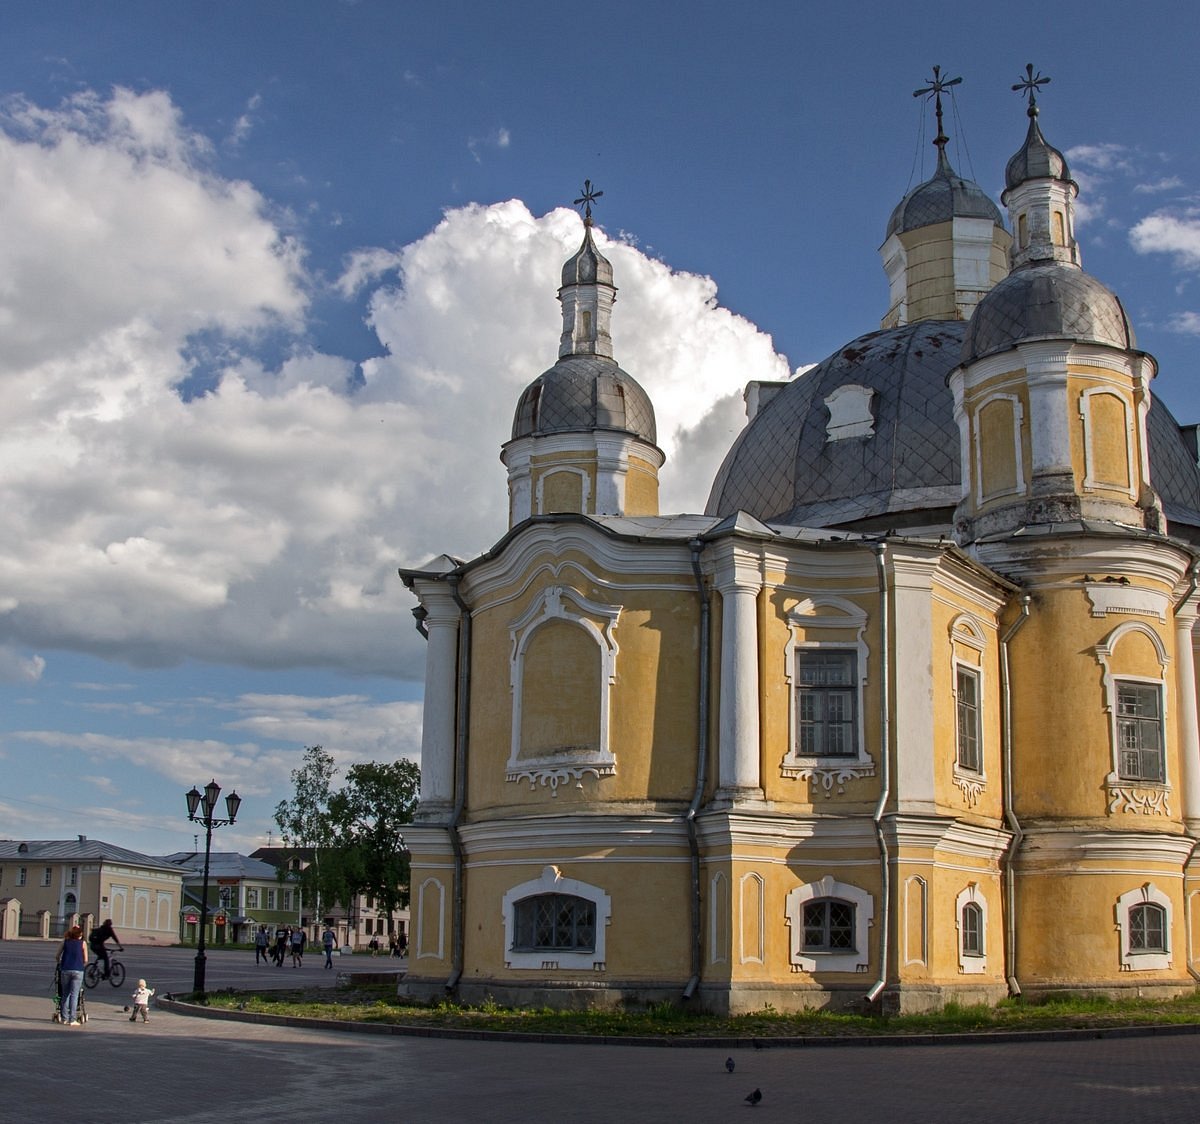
{"x":565,"y":481}
{"x":1104,"y":442}
{"x":641,"y":488}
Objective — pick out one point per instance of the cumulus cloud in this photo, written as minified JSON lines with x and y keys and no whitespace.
{"x":1186,"y":323}
{"x":16,"y":667}
{"x":262,"y":522}
{"x":1169,"y":233}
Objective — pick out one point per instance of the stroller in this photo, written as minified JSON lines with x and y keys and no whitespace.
{"x":58,"y":999}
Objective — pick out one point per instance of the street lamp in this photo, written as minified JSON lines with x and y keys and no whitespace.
{"x":200,"y":808}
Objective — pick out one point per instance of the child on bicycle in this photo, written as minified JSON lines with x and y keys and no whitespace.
{"x":141,"y":1001}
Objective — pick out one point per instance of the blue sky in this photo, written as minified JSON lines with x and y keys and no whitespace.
{"x":273,"y":275}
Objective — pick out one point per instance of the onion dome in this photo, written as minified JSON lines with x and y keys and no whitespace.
{"x":1046,"y":300}
{"x":588,"y":266}
{"x":584,"y":393}
{"x":805,"y":460}
{"x":941,"y":198}
{"x":1037,"y":159}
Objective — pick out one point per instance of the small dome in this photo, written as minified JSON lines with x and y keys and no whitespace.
{"x":584,"y":393}
{"x":588,"y":266}
{"x":1037,"y":159}
{"x":943,"y":197}
{"x":785,"y":468}
{"x":1046,"y":300}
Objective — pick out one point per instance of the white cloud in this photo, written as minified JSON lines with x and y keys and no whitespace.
{"x":1167,"y":183}
{"x":1099,"y":157}
{"x":16,"y":667}
{"x":1168,"y":233}
{"x":262,"y":522}
{"x":497,"y":138}
{"x":1186,"y":323}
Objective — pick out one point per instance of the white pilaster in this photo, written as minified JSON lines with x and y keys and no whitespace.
{"x":438,"y":729}
{"x":1189,"y":729}
{"x":739,"y":581}
{"x":912,"y":643}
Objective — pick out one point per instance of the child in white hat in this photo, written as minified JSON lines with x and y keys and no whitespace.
{"x":141,"y":1001}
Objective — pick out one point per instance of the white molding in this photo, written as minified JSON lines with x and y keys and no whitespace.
{"x":864,"y":914}
{"x":428,"y":887}
{"x":751,"y":906}
{"x":850,"y":413}
{"x":970,"y":782}
{"x":830,"y":613}
{"x":554,"y":769}
{"x":914,"y":883}
{"x":1090,"y":483}
{"x":1143,"y":961}
{"x":718,"y":919}
{"x":1018,"y":419}
{"x":552,"y":881}
{"x":547,"y":471}
{"x":1112,"y":597}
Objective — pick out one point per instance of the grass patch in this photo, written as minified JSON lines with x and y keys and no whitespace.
{"x":378,"y":1004}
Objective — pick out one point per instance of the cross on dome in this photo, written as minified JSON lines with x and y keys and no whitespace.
{"x":1030,"y":85}
{"x":589,"y":196}
{"x":935,"y":88}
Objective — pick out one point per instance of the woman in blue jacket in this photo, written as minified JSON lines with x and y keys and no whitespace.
{"x":71,"y":960}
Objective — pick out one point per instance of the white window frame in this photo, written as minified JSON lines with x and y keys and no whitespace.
{"x":585,"y":490}
{"x":47,"y":875}
{"x":1018,"y":416}
{"x":1090,"y":483}
{"x":1136,"y":960}
{"x":962,"y":668}
{"x":971,"y":964}
{"x":864,"y":914}
{"x":835,"y":617}
{"x":552,"y":881}
{"x":563,"y":603}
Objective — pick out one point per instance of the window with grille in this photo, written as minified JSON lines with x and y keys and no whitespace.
{"x":966,"y":688}
{"x":972,"y":930}
{"x":826,"y":708}
{"x":1147,"y":928}
{"x":558,"y":922}
{"x":1140,"y":732}
{"x":829,"y":926}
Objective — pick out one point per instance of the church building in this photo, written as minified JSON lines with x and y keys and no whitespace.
{"x":907,"y":715}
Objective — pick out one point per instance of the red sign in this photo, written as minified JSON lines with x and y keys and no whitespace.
{"x":191,"y":918}
{"x":220,"y":919}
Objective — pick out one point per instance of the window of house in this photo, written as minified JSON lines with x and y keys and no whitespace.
{"x":47,"y":873}
{"x":21,"y":876}
{"x":1147,"y":928}
{"x":287,"y":899}
{"x":1139,"y":731}
{"x":251,"y":897}
{"x":972,"y":929}
{"x":829,"y":926}
{"x":826,"y":698}
{"x":73,"y":877}
{"x":270,"y":899}
{"x":966,"y":692}
{"x":559,"y":922}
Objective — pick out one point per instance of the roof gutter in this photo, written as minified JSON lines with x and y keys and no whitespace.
{"x":460,"y":782}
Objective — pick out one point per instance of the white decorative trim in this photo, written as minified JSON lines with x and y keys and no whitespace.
{"x":1090,"y":483}
{"x":1018,"y":420}
{"x":1113,"y":597}
{"x":917,"y":885}
{"x":970,"y":782}
{"x":552,"y":882}
{"x":966,"y":629}
{"x":971,"y":965}
{"x":1132,"y":961}
{"x":599,"y":622}
{"x":850,"y":414}
{"x":864,"y":913}
{"x":751,"y":896}
{"x":718,"y":919}
{"x":826,"y":612}
{"x":428,"y":888}
{"x":1137,"y":797}
{"x":585,"y":487}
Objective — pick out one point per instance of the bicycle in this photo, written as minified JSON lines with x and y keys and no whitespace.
{"x":93,"y":973}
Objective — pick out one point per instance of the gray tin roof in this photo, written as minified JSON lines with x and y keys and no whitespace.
{"x":81,"y":849}
{"x":584,"y":393}
{"x":942,"y":197}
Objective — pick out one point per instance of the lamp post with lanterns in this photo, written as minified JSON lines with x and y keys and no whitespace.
{"x":200,"y":806}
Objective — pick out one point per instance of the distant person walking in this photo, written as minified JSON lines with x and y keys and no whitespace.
{"x":297,"y":940}
{"x":328,"y":940}
{"x":72,"y":958}
{"x":281,"y":941}
{"x":261,"y":943}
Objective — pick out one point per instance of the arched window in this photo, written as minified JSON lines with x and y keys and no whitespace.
{"x":829,"y":925}
{"x":972,"y":930}
{"x":1148,"y":928}
{"x":554,"y":922}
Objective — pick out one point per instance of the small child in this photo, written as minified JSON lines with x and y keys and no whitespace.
{"x":141,"y":1001}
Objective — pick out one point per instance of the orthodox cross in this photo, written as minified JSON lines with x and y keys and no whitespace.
{"x":589,"y":196}
{"x":1029,"y":85}
{"x":936,"y":87}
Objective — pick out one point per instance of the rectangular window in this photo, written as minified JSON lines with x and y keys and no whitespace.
{"x":972,"y":930}
{"x":251,"y":897}
{"x":73,"y":878}
{"x":287,"y":899}
{"x":966,"y":689}
{"x":829,"y":926}
{"x":270,"y":899}
{"x":1140,"y":732}
{"x":47,"y":873}
{"x":20,"y":876}
{"x":826,"y":702}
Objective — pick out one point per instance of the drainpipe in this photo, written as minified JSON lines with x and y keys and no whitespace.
{"x":696,"y":546}
{"x":1193,"y":580}
{"x":885,"y":772}
{"x":460,"y":782}
{"x":419,"y":615}
{"x":1010,"y":815}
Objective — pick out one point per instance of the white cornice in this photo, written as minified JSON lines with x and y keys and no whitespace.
{"x":1046,"y":846}
{"x":575,"y":831}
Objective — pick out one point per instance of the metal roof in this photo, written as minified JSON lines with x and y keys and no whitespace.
{"x":584,"y":393}
{"x":223,"y":864}
{"x":942,"y":197}
{"x":81,"y":849}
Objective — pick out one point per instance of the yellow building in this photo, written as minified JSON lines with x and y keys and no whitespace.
{"x":908,"y":715}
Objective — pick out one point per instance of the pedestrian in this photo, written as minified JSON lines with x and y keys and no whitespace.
{"x":328,"y":940}
{"x":373,"y":945}
{"x":261,"y":941}
{"x":141,"y":1001}
{"x":393,"y":945}
{"x":281,"y":937}
{"x":72,"y":957}
{"x":403,"y":944}
{"x":297,"y":940}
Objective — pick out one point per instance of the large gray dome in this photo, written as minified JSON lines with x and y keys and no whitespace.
{"x":1046,"y":300}
{"x":584,"y":393}
{"x":784,"y":469}
{"x":941,"y":198}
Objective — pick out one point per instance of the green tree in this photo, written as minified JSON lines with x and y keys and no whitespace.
{"x":304,"y":824}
